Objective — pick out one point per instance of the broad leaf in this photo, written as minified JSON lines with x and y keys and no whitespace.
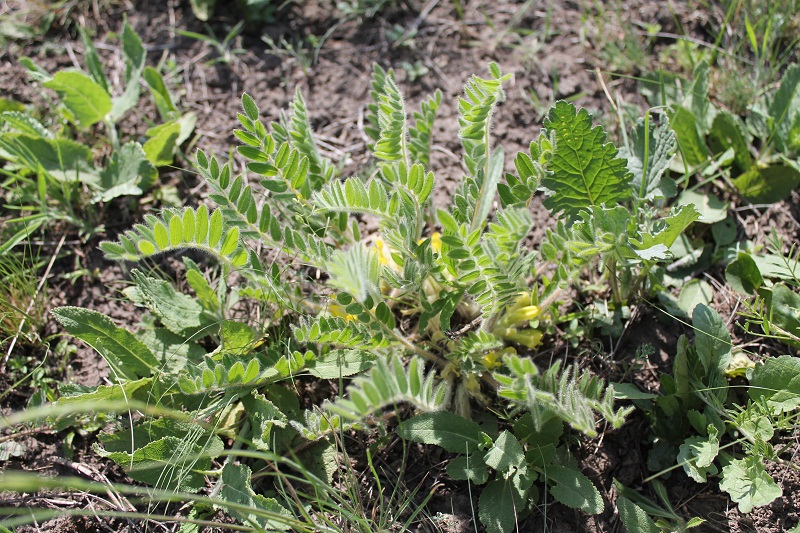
{"x":117,"y":392}
{"x":749,"y":484}
{"x":170,"y":463}
{"x":784,"y":306}
{"x":743,"y":275}
{"x":769,"y":184}
{"x":468,"y":468}
{"x":454,"y":433}
{"x":341,"y":363}
{"x":697,"y":455}
{"x":777,"y":380}
{"x":634,"y":518}
{"x":584,"y":169}
{"x":128,"y":172}
{"x":506,"y":454}
{"x":266,"y":513}
{"x":160,"y":148}
{"x":690,"y":142}
{"x":499,"y":505}
{"x":711,"y":208}
{"x":574,"y":489}
{"x":126,"y":355}
{"x":84,"y":98}
{"x":712,"y":340}
{"x":63,"y":159}
{"x":727,"y":131}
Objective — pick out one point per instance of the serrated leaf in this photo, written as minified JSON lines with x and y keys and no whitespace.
{"x":777,"y":380}
{"x":749,"y":484}
{"x":499,"y":505}
{"x":126,"y":355}
{"x":574,"y":489}
{"x":468,"y":468}
{"x":506,"y":454}
{"x":85,"y":99}
{"x":584,"y":169}
{"x":711,"y":208}
{"x":454,"y":433}
{"x":634,"y":518}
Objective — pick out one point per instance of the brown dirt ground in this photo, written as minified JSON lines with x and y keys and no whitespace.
{"x":545,"y":45}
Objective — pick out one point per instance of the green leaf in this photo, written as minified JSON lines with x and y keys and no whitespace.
{"x":443,"y":428}
{"x":161,"y":95}
{"x":584,"y":169}
{"x":92,"y":60}
{"x":769,"y":184}
{"x":777,"y":380}
{"x":236,"y":337}
{"x":85,"y":99}
{"x":690,"y":142}
{"x":169,"y":463}
{"x":727,"y":131}
{"x":62,"y":159}
{"x":784,"y":107}
{"x":134,"y":51}
{"x":743,"y":275}
{"x":356,"y":271}
{"x":117,"y":392}
{"x":573,"y":489}
{"x":652,"y":150}
{"x":711,"y":208}
{"x":341,"y":363}
{"x":180,"y":313}
{"x":499,"y":505}
{"x":468,"y":468}
{"x":784,"y":306}
{"x":160,"y":148}
{"x":634,"y":518}
{"x":697,"y":455}
{"x":266,"y":513}
{"x":712,"y":340}
{"x":126,"y":355}
{"x":670,"y":229}
{"x":127,"y":172}
{"x":749,"y":484}
{"x":695,"y":292}
{"x":506,"y":454}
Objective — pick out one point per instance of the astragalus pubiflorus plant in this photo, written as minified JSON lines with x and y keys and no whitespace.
{"x":440,"y":309}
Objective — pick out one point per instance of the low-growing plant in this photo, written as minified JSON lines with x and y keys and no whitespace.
{"x":52,"y":174}
{"x":714,"y":428}
{"x":756,"y":155}
{"x":442,"y":321}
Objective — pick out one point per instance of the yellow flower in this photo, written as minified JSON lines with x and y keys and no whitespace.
{"x":336,"y":310}
{"x":530,"y":338}
{"x":385,"y":254}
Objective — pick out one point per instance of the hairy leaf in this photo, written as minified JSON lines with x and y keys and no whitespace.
{"x":652,"y":150}
{"x":265,"y":513}
{"x":574,"y":489}
{"x":777,"y":380}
